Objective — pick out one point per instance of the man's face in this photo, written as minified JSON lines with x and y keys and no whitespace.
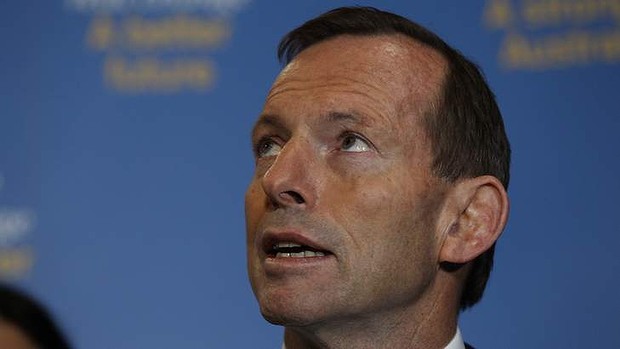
{"x":341,"y":213}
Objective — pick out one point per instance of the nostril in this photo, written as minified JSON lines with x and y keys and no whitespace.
{"x":294,"y":195}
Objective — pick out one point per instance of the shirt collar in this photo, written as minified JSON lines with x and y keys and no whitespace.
{"x":455,"y":343}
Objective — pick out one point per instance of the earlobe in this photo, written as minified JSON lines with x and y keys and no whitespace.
{"x":481,"y":212}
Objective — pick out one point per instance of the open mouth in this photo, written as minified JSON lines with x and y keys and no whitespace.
{"x":293,"y":250}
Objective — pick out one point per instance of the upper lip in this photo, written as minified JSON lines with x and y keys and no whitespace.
{"x":271,"y":237}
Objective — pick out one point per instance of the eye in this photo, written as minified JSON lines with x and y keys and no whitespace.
{"x":267,"y":147}
{"x":354,"y":143}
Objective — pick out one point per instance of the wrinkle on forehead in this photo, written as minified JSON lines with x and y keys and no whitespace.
{"x":369,"y":101}
{"x":343,"y":84}
{"x":410,"y":72}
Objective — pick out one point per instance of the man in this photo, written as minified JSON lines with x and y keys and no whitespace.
{"x":26,"y":324}
{"x":380,"y":186}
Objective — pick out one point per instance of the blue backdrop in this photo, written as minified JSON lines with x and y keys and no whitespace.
{"x":125,"y":153}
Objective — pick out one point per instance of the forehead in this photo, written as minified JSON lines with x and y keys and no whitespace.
{"x":392,"y":72}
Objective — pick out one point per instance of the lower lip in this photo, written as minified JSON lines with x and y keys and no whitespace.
{"x":275,"y":264}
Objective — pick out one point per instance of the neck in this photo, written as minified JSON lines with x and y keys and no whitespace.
{"x":430,"y":323}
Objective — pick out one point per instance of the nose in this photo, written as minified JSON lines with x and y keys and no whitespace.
{"x":291,"y":180}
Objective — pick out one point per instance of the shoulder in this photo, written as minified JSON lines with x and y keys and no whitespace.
{"x":467,"y":346}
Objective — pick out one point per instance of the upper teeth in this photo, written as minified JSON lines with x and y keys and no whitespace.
{"x":285,"y":244}
{"x":300,"y":254}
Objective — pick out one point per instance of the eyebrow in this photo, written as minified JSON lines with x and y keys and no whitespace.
{"x":268,"y":120}
{"x":333,"y":117}
{"x":350,"y":118}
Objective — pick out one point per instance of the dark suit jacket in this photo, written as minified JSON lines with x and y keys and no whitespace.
{"x":467,"y":346}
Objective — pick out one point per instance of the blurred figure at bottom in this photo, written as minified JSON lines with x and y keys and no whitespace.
{"x":26,"y":324}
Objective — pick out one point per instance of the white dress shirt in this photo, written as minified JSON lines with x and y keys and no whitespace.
{"x":455,"y":343}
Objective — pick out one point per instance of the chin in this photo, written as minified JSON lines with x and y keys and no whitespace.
{"x":292,"y":312}
{"x":284,"y":318}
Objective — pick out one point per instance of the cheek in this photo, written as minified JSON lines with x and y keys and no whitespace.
{"x":254,"y":201}
{"x":388,"y":214}
{"x":378,"y":200}
{"x":375,"y":215}
{"x":254,"y":207}
{"x":391,"y":249}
